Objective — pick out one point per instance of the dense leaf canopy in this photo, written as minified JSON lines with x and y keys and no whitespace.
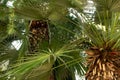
{"x":71,"y":32}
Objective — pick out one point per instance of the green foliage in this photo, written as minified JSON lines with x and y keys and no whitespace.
{"x":53,"y":10}
{"x":63,"y":57}
{"x":105,"y":12}
{"x":112,"y":5}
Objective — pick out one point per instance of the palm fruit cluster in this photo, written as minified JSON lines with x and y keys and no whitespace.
{"x":38,"y":33}
{"x":103,"y":64}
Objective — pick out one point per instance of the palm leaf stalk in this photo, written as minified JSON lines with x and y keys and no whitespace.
{"x":103,"y":56}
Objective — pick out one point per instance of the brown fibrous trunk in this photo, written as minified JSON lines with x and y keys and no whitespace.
{"x":38,"y":33}
{"x":103,"y":65}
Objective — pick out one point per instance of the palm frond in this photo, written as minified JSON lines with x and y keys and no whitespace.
{"x":43,"y":59}
{"x":112,"y":5}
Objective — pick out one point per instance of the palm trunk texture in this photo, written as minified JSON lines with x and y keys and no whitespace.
{"x":103,"y":64}
{"x":38,"y":34}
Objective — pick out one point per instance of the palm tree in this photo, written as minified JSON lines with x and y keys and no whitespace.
{"x":54,"y":61}
{"x":104,"y":57}
{"x":60,"y":58}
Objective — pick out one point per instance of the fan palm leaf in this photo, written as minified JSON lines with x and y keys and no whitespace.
{"x":104,"y":56}
{"x":45,"y":59}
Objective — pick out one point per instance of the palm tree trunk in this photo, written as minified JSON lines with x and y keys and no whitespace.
{"x":103,"y":65}
{"x":38,"y":33}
